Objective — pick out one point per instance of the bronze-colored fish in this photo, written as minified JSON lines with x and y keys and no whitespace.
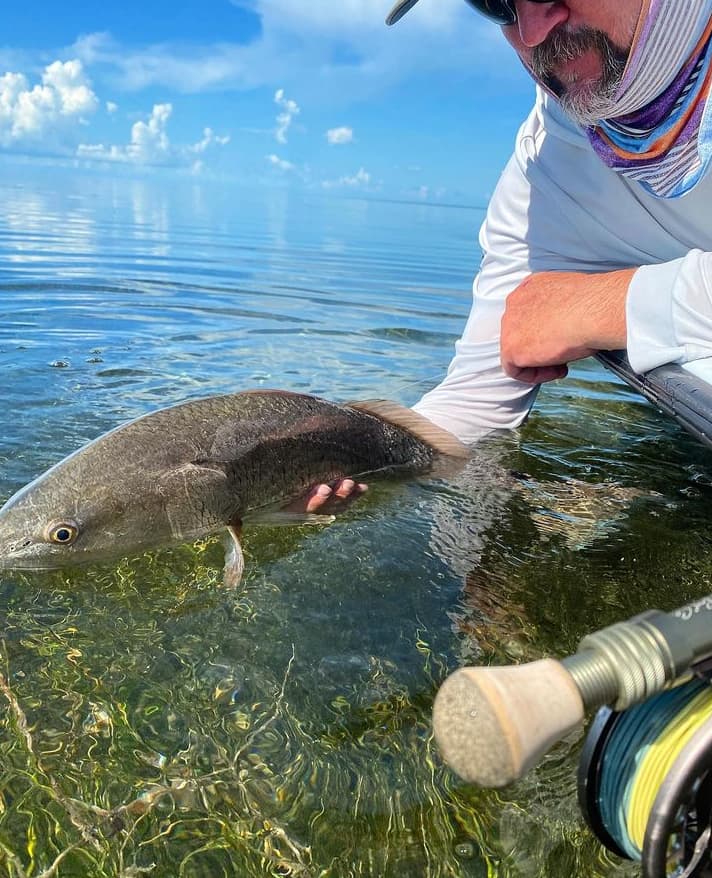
{"x":188,"y":470}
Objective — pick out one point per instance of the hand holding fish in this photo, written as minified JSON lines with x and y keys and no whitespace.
{"x":554,"y":317}
{"x":326,"y":499}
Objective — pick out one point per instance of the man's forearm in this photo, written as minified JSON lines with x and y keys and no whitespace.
{"x":555,"y":317}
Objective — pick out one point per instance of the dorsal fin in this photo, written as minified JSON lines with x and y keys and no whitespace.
{"x":400,"y":416}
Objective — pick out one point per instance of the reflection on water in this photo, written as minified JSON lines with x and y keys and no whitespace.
{"x":156,"y":723}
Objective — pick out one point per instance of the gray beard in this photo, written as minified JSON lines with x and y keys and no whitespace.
{"x":588,"y":108}
{"x":588,"y":105}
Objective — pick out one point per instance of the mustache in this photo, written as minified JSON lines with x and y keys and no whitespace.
{"x":565,"y":45}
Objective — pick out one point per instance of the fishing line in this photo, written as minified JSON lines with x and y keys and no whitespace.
{"x":659,"y":759}
{"x":628,"y":756}
{"x":422,"y":385}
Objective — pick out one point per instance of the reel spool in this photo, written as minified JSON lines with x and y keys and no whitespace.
{"x":645,"y":781}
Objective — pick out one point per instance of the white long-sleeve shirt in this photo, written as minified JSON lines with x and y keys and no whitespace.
{"x":557,"y":207}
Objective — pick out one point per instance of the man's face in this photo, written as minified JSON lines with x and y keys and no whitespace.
{"x":577,"y":48}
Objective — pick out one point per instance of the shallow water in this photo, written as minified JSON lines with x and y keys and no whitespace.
{"x":158,"y":724}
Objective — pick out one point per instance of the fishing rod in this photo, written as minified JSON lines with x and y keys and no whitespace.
{"x":645,"y":775}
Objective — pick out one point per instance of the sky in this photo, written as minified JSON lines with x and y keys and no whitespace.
{"x":318,"y":94}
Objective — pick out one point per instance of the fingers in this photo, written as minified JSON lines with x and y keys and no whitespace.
{"x":317,"y":497}
{"x":349,"y":488}
{"x":325,"y":498}
{"x":537,"y":374}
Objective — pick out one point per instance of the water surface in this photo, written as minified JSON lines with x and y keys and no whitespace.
{"x":158,"y":724}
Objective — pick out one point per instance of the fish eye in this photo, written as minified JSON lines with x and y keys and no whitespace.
{"x":62,"y":533}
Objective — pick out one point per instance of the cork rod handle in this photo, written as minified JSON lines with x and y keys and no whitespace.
{"x":493,"y":724}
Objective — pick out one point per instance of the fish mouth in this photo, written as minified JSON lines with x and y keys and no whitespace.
{"x":23,"y":557}
{"x":26,"y":564}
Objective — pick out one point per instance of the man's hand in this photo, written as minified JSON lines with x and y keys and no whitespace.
{"x":554,"y":317}
{"x":327,"y":499}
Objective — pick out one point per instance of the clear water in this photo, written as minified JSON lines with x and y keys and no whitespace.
{"x":153,"y":722}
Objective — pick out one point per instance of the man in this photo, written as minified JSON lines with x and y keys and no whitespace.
{"x":599,"y":233}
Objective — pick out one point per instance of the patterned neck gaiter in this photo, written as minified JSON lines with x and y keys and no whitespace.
{"x":660,"y":130}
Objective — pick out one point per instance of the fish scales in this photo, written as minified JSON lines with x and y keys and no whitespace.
{"x":188,"y":470}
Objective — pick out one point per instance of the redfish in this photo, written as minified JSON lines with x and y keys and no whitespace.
{"x":192,"y":469}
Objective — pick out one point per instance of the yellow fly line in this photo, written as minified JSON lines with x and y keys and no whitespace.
{"x":657,"y":759}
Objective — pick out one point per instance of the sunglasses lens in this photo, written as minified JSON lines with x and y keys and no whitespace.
{"x":499,"y":11}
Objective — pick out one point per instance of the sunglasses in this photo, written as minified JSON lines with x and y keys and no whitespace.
{"x":498,"y":11}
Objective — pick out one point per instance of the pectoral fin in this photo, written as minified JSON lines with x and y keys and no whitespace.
{"x":281,"y":517}
{"x":179,"y":486}
{"x":234,"y":558}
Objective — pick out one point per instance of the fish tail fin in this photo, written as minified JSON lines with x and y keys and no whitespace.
{"x":437,"y":437}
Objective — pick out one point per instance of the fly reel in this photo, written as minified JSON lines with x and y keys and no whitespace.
{"x":645,"y":776}
{"x":645,"y":781}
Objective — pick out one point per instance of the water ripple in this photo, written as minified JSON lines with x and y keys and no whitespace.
{"x":285,"y":728}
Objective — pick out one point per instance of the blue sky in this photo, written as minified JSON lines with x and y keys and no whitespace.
{"x":320,"y":94}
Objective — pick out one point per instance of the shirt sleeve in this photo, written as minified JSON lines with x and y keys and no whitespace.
{"x":669,"y":312}
{"x":476,"y":396}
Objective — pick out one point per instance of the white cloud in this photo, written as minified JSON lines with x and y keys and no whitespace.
{"x":150,"y":144}
{"x":280,"y":164}
{"x":361,"y":179}
{"x":337,"y":136}
{"x":284,"y":119}
{"x":68,"y":88}
{"x":149,"y":140}
{"x":327,"y":52}
{"x":111,"y":107}
{"x":50,"y":109}
{"x":326,"y":18}
{"x":209,"y":138}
